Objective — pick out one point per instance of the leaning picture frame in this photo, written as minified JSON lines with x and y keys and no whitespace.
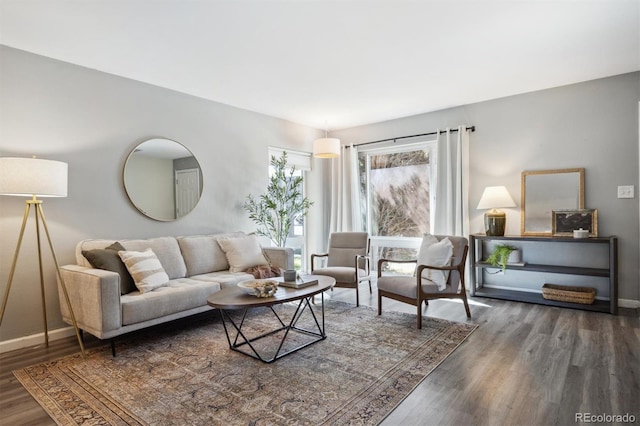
{"x":566,"y":221}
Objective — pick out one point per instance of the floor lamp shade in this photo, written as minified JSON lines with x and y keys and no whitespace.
{"x":493,"y":198}
{"x":326,"y":148}
{"x":33,"y":176}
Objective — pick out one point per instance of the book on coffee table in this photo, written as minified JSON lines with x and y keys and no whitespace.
{"x":299,"y":283}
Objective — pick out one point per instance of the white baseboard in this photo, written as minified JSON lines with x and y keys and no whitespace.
{"x":35,"y":339}
{"x":629,"y":303}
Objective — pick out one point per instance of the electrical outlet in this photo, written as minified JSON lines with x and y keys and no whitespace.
{"x":625,"y":191}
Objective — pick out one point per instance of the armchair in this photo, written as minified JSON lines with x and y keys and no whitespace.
{"x":421,"y":286}
{"x":347,"y":260}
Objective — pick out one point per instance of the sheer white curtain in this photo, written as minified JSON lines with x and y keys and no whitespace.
{"x":452,"y":183}
{"x":345,"y":194}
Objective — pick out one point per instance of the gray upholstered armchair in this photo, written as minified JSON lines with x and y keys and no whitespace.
{"x":347,"y":260}
{"x":421,"y":286}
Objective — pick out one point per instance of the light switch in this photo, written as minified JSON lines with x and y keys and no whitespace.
{"x":625,"y":191}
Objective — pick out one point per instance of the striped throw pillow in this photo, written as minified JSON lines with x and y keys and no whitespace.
{"x":145,"y":268}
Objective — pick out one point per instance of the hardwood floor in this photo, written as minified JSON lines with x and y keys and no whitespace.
{"x":524,"y":365}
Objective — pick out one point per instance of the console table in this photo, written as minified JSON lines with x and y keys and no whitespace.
{"x":585,"y":262}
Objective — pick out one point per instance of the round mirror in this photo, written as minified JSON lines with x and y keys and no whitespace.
{"x":163,"y":179}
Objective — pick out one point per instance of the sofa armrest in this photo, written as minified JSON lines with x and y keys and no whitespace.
{"x":95,"y":298}
{"x":281,"y":257}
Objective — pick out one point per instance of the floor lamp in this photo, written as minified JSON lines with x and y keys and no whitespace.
{"x":32,"y":177}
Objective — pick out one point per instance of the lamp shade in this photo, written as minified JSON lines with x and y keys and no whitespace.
{"x":326,"y":148}
{"x":495,"y":197}
{"x":33,"y":176}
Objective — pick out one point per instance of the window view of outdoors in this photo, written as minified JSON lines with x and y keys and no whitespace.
{"x":395,"y":190}
{"x":295,"y":240}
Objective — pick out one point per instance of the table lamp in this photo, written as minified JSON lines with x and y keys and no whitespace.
{"x":34,"y":177}
{"x":493,"y":198}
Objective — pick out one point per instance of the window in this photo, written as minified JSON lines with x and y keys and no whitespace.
{"x":297,"y":235}
{"x":395,"y":186}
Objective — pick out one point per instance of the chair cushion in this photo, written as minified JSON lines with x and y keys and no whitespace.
{"x":342,"y":274}
{"x":435,"y":253}
{"x":404,"y":285}
{"x":345,"y":246}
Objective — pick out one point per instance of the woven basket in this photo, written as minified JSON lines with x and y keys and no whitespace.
{"x":561,"y":293}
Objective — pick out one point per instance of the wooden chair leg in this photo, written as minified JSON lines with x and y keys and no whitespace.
{"x":357,"y":296}
{"x":379,"y":303}
{"x":419,"y":313}
{"x":466,"y":306}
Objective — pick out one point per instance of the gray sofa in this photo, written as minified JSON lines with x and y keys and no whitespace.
{"x":196,"y":265}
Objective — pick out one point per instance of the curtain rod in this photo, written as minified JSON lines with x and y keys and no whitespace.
{"x":472,"y":128}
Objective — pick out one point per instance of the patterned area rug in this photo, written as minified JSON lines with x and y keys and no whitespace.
{"x":183,"y":373}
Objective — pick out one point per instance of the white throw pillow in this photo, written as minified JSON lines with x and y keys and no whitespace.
{"x":145,"y":268}
{"x":435,"y":253}
{"x":242,"y":252}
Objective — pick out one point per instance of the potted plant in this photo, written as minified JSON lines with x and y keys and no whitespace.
{"x":276,"y":209}
{"x":500,"y":255}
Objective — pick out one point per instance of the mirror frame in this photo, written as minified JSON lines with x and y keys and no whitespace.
{"x":146,"y":213}
{"x":525,"y":202}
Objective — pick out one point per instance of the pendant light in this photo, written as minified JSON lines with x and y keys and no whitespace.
{"x":326,"y":147}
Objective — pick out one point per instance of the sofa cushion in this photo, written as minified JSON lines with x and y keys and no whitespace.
{"x":242,"y":252}
{"x":225,"y":278}
{"x":202,"y":253}
{"x":167,"y":250}
{"x":145,"y":268}
{"x":109,"y":260}
{"x":177,"y":296}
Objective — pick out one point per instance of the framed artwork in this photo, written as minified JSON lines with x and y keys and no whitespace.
{"x":566,"y":221}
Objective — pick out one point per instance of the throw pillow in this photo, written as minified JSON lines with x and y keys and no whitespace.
{"x":242,"y":252}
{"x":264,"y":271}
{"x":109,"y":260}
{"x":145,"y":268}
{"x":435,"y":253}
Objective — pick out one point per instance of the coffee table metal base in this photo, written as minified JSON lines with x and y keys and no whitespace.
{"x":239,"y":342}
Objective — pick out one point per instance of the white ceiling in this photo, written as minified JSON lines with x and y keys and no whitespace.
{"x":340,"y":62}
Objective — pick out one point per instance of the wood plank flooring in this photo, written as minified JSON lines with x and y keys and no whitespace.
{"x":525,"y":365}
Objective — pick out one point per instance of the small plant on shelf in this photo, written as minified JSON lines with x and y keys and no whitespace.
{"x":500,"y":256}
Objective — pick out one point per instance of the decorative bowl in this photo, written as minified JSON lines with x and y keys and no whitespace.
{"x":259,"y":288}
